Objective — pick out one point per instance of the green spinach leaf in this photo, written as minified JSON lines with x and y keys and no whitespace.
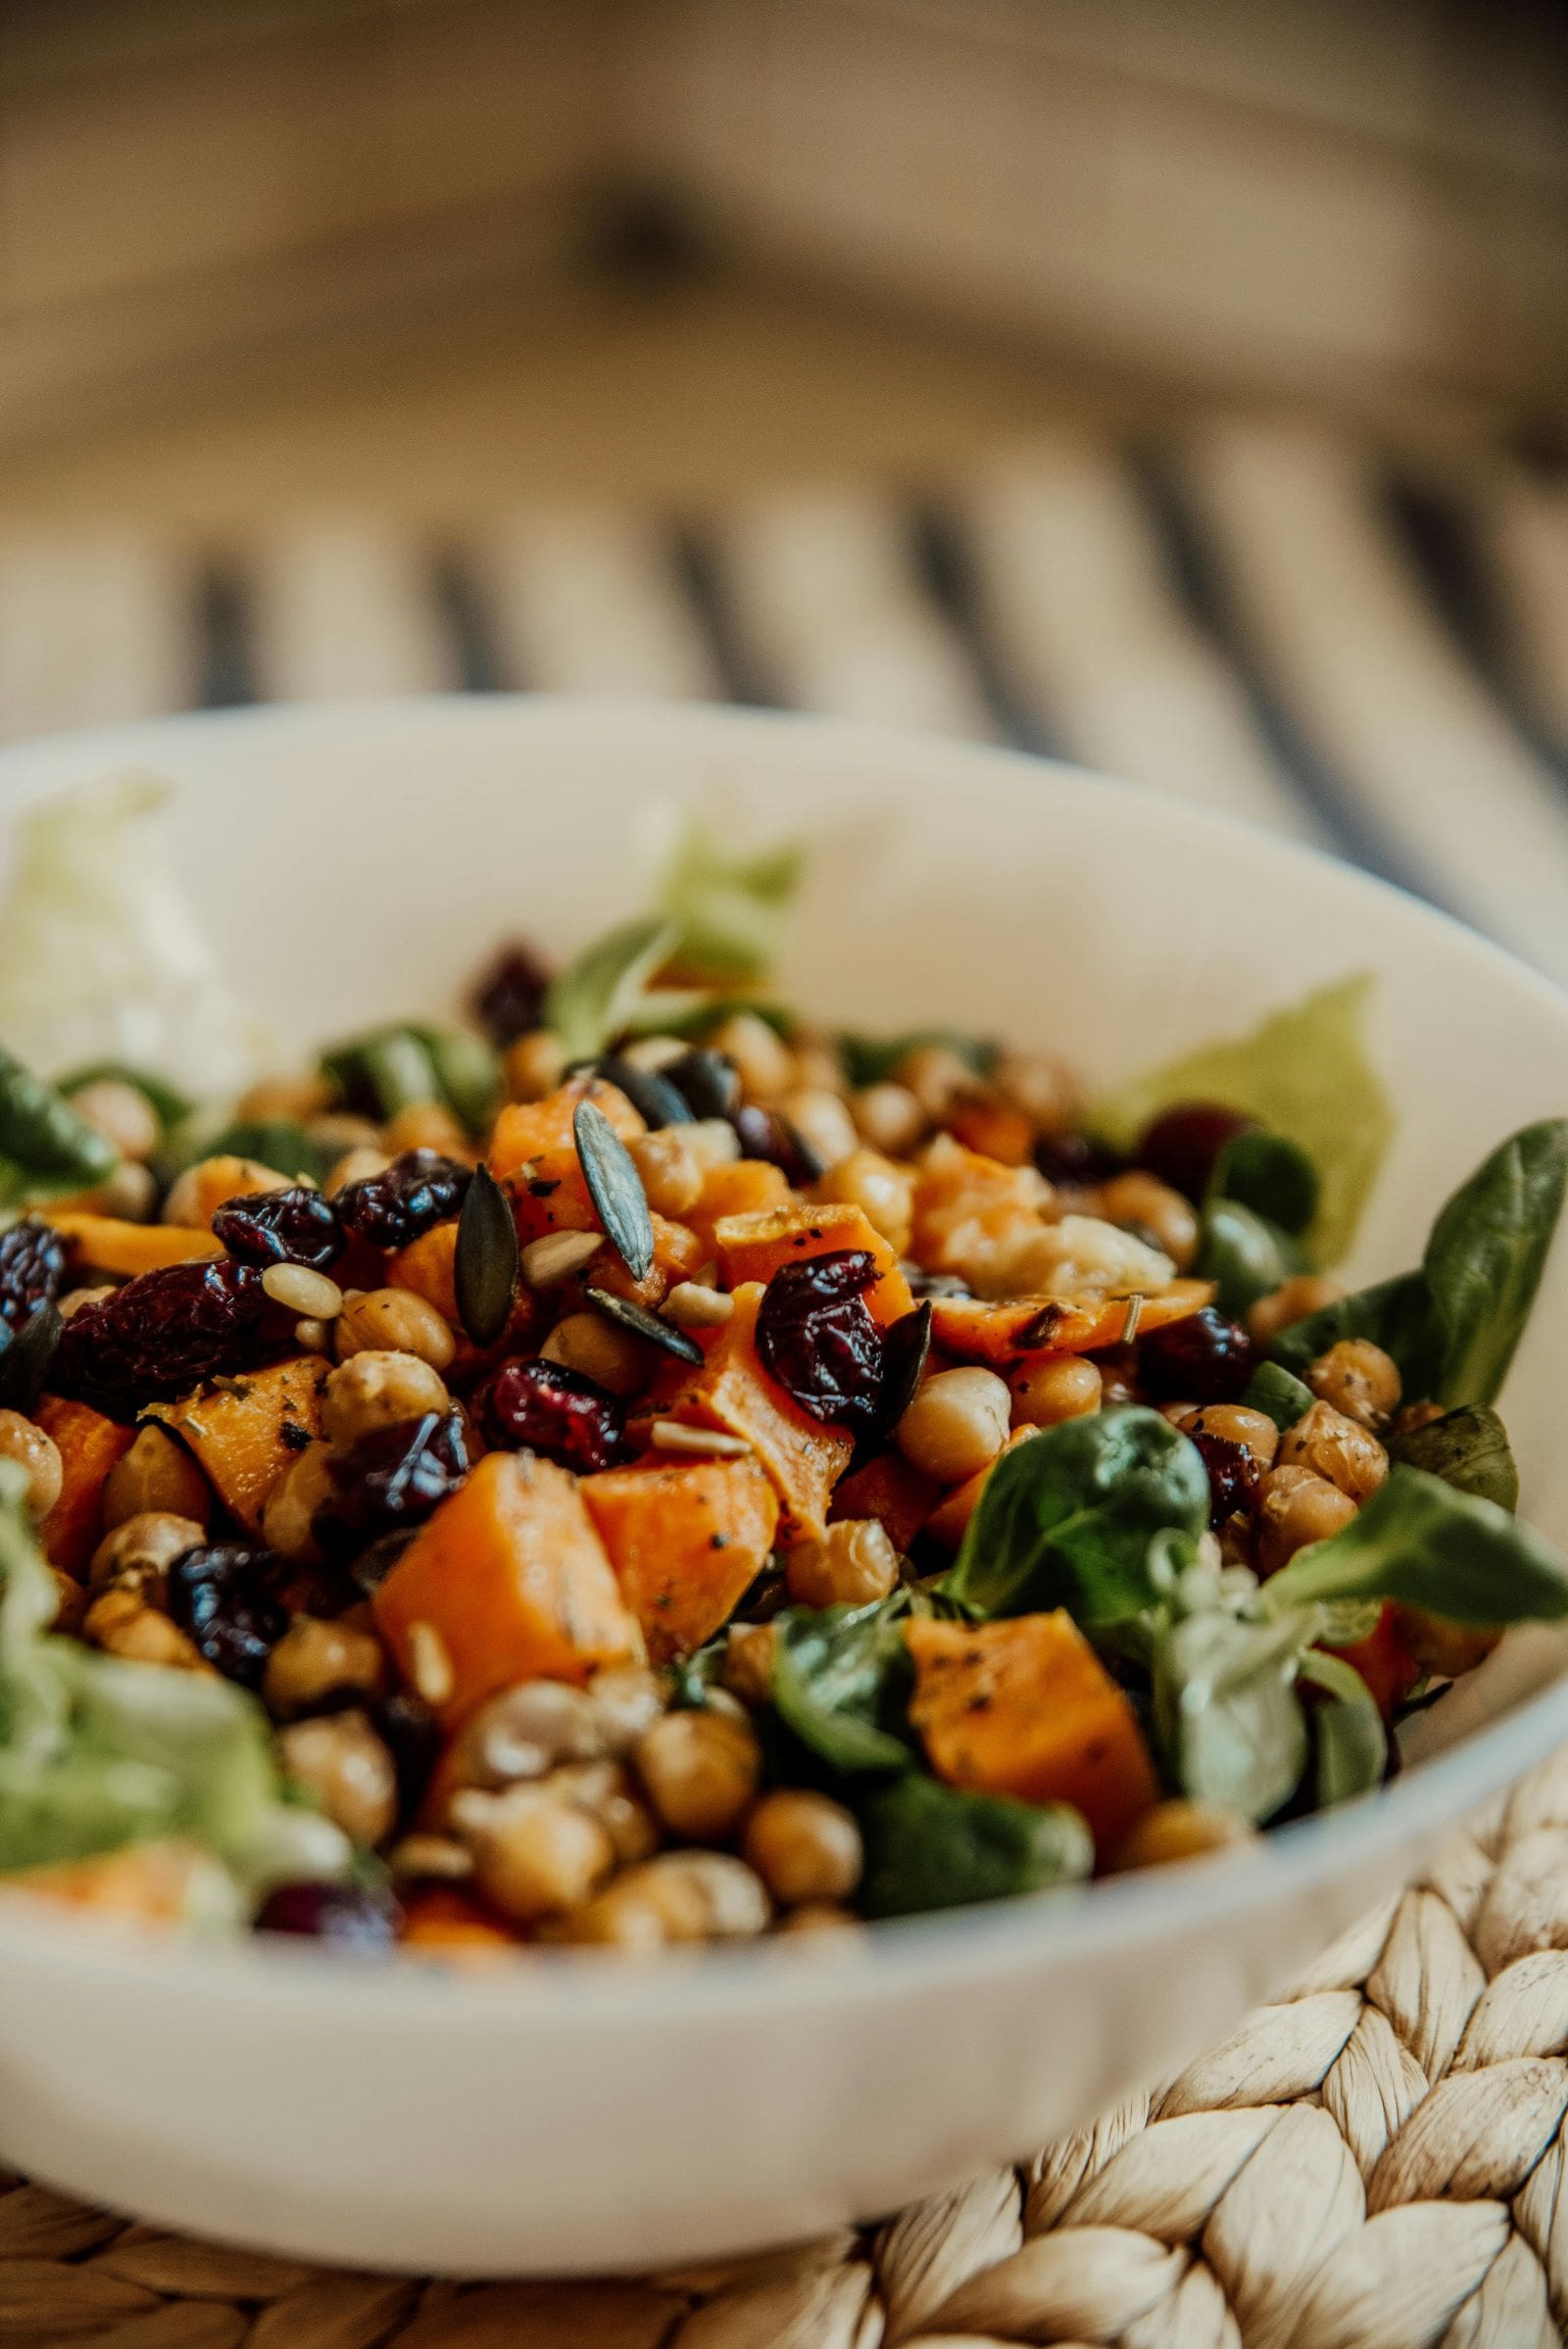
{"x":47,"y":1149}
{"x":1397,"y":1315}
{"x":1243,"y":1254}
{"x":1425,"y":1544}
{"x":1067,"y":1519}
{"x":1486,"y":1256}
{"x":280,"y":1143}
{"x":728,"y":911}
{"x":840,"y":1678}
{"x":1467,"y":1448}
{"x":595,"y":998}
{"x":1271,"y":1175}
{"x":931,"y":1846}
{"x":1227,"y":1719}
{"x":1276,"y":1390}
{"x":872,"y":1060}
{"x":1347,"y":1731}
{"x":1304,"y":1074}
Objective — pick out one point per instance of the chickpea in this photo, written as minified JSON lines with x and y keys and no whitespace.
{"x":316,"y":1662}
{"x":606,"y":1790}
{"x":524,"y":1732}
{"x":1255,"y":1430}
{"x":713,"y":1141}
{"x":817,"y":1061}
{"x":302,"y":1098}
{"x":157,"y":1473}
{"x":888,"y":1119}
{"x":430,"y":1859}
{"x":804,"y":1848}
{"x":139,"y":1552}
{"x":37,"y":1455}
{"x":71,"y":1607}
{"x":1348,"y":1455}
{"x":535,"y":1853}
{"x":288,"y":1514}
{"x":362,"y":1162}
{"x":1042,"y":1088}
{"x":1182,"y":1830}
{"x":824,"y":1119}
{"x":957,"y":1424}
{"x":603,"y":1351}
{"x":1417,"y":1415}
{"x":766,"y":1065}
{"x":534,"y":1065}
{"x":393,"y":1321}
{"x":701,"y":1770}
{"x":854,"y":1563}
{"x":884,"y":1192}
{"x":654,"y":1054}
{"x":1446,"y":1648}
{"x":747,"y":1669}
{"x":1296,"y":1508}
{"x":820,"y":1917}
{"x":122,"y":1113}
{"x":628,"y":1699}
{"x":1358,"y":1379}
{"x":427,"y":1126}
{"x":937,"y":1079}
{"x":341,"y":1761}
{"x":123,"y":1624}
{"x":680,"y":1896}
{"x":195,"y":1196}
{"x":131,"y":1192}
{"x":1305,"y":1293}
{"x":1142,"y":1198}
{"x":374,"y":1389}
{"x":670,"y":1173}
{"x":1052,"y":1388}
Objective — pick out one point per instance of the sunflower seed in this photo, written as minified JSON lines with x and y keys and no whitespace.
{"x":484,"y":1270}
{"x":548,"y":1263}
{"x":675,"y":1434}
{"x":645,"y":1325}
{"x":616,"y":1188}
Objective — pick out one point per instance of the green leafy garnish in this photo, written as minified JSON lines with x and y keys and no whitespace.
{"x":1426,"y":1544}
{"x":169,"y":1105}
{"x":1467,"y":1448}
{"x":1353,"y":1745}
{"x":47,"y":1149}
{"x":1066,"y":1520}
{"x":1226,"y":1714}
{"x":1271,"y":1176}
{"x":593,"y":1000}
{"x":841,"y":1675}
{"x":403,"y":1066}
{"x":280,"y":1143}
{"x":1245,"y":1256}
{"x":1276,"y":1390}
{"x":931,"y":1846}
{"x":1452,"y":1326}
{"x":728,"y":911}
{"x":872,"y":1060}
{"x":1304,"y":1074}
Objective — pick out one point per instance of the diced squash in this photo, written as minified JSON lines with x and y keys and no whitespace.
{"x":968,"y":1207}
{"x":678,"y":1254}
{"x":164,"y":1882}
{"x":949,"y":1521}
{"x":685,"y":1540}
{"x":428,"y":1266}
{"x":889,"y":1489}
{"x":753,"y":1247}
{"x":1003,"y":1333}
{"x":213,"y":1182}
{"x":740,"y":1187}
{"x":511,"y":1575}
{"x":1025,"y":1707}
{"x":91,"y":1447}
{"x":246,"y":1432}
{"x":451,"y":1925}
{"x":550,"y":1194}
{"x":525,"y":1130}
{"x":106,"y":1244}
{"x":802,"y":1458}
{"x":994,"y":1130}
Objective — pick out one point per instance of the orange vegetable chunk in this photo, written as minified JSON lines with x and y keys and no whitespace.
{"x":155,"y":1881}
{"x":685,"y":1540}
{"x":1025,"y":1707}
{"x":949,"y":1521}
{"x":89,"y":1447}
{"x":753,"y":1247}
{"x":802,"y":1458}
{"x":971,"y":1330}
{"x":888,"y":1489}
{"x":740,"y":1187}
{"x":511,"y":1576}
{"x":106,"y":1244}
{"x":247,"y":1431}
{"x":525,"y":1130}
{"x":452,"y":1926}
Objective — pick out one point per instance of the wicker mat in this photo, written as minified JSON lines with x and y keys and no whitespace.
{"x":1375,"y":2162}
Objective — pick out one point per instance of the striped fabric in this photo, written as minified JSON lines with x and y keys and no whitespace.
{"x":1365,"y":652}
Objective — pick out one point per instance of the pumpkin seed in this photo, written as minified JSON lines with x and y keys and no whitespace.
{"x":484,"y":1270}
{"x":709,"y":1081}
{"x":643,"y":1324}
{"x":25,"y":1359}
{"x":616,"y":1188}
{"x":655,"y":1098}
{"x":904,"y":1350}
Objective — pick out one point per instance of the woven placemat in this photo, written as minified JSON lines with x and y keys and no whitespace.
{"x":1376,"y":2161}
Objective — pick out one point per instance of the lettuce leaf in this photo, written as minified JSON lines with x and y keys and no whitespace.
{"x":729,"y":910}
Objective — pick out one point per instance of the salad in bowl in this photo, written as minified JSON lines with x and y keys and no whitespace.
{"x":639,"y":1468}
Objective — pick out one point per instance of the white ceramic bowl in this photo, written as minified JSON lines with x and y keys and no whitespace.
{"x":591,"y":2115}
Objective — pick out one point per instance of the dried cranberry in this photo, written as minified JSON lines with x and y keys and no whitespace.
{"x":1234,"y":1475}
{"x":296,"y":1226}
{"x":416,"y":1190}
{"x":544,"y":1407}
{"x":765,"y":1134}
{"x":509,"y":995}
{"x":412,"y":1734}
{"x":33,"y":1271}
{"x":160,"y":1335}
{"x":815,"y":1335}
{"x":225,"y":1595}
{"x":1073,"y":1158}
{"x":1202,"y":1359}
{"x":1182,"y":1145}
{"x":392,"y":1477}
{"x":349,"y":1916}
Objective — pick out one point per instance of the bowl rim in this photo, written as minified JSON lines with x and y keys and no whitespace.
{"x":934,"y":1951}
